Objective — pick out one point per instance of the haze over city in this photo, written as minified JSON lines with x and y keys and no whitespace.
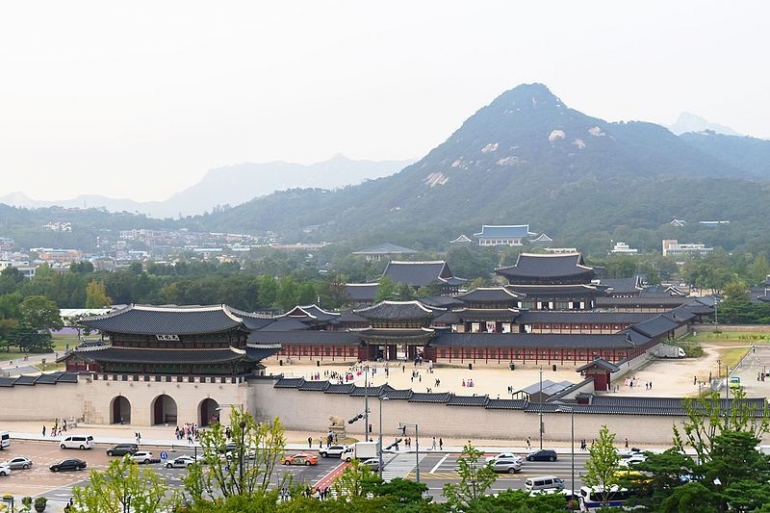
{"x":139,"y":100}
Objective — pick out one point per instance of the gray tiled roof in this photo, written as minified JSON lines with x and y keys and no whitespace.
{"x":288,"y":382}
{"x":567,"y":266}
{"x":485,"y":295}
{"x":464,"y":400}
{"x":167,"y":320}
{"x":657,"y":326}
{"x":419,"y":397}
{"x":599,"y":404}
{"x":361,"y":292}
{"x":553,"y":290}
{"x":139,"y":355}
{"x":313,"y":386}
{"x":506,"y":404}
{"x":310,"y":313}
{"x":417,"y":274}
{"x":396,"y":310}
{"x":260,"y":353}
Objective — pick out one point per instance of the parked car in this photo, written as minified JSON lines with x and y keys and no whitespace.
{"x":181,"y":462}
{"x":142,"y":457}
{"x":122,"y":449}
{"x":509,"y":465}
{"x":503,"y":456}
{"x":300,"y":458}
{"x":542,"y":455}
{"x":334,"y":451}
{"x":68,"y":464}
{"x":19,"y":463}
{"x":5,"y":469}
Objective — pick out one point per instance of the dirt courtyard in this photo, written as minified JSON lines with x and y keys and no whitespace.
{"x":668,"y":377}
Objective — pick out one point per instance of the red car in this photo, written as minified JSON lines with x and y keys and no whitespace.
{"x":300,"y":458}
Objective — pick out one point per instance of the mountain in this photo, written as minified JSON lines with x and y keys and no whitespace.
{"x":687,"y":122}
{"x":233,"y":185}
{"x":524,"y":158}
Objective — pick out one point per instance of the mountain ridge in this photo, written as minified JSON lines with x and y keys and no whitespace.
{"x":231,"y":185}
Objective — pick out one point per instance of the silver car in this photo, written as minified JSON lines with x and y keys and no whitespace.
{"x":19,"y":463}
{"x":509,"y":465}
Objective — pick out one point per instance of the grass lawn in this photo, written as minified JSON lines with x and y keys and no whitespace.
{"x":731,"y":346}
{"x":61,"y":343}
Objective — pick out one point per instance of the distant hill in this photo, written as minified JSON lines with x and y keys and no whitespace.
{"x":233,"y":185}
{"x":528,"y":158}
{"x":687,"y":122}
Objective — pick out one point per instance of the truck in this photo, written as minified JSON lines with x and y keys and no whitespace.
{"x":668,"y":351}
{"x":361,"y":451}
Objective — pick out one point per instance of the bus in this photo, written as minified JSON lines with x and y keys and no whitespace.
{"x":592,"y":498}
{"x":5,"y":440}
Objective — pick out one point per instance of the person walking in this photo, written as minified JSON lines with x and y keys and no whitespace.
{"x":43,"y":430}
{"x":441,"y":444}
{"x":529,"y":443}
{"x":310,"y":442}
{"x":626,"y":443}
{"x":433,"y":447}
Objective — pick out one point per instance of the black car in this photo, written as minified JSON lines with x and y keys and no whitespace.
{"x":542,"y":455}
{"x":68,"y":464}
{"x":122,"y":449}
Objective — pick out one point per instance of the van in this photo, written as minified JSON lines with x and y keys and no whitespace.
{"x":5,"y":440}
{"x":78,"y":442}
{"x":543,"y":483}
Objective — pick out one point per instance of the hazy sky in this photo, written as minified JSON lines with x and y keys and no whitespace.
{"x":139,"y":99}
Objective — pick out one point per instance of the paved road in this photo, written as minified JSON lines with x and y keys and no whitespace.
{"x":438,"y":469}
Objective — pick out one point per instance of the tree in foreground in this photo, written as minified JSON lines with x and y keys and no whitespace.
{"x":603,"y":464}
{"x":476,"y":477}
{"x":247,"y":470}
{"x":123,"y":487}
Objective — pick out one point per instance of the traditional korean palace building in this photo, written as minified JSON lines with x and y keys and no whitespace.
{"x":163,"y":347}
{"x":171,"y":365}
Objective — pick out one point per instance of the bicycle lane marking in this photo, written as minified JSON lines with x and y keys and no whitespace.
{"x":328,"y":479}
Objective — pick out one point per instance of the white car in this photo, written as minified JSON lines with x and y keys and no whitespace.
{"x":141,"y":457}
{"x":504,"y":456}
{"x":180,"y":462}
{"x":632,"y":460}
{"x":5,"y":469}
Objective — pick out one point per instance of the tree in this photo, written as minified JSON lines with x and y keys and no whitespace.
{"x":247,"y":470}
{"x":386,"y":290}
{"x":707,"y":418}
{"x":40,"y":313}
{"x":122,"y":487}
{"x":603,"y":464}
{"x":476,"y":477}
{"x":96,"y":295}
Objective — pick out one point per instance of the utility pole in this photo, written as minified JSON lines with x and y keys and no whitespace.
{"x":366,"y":402}
{"x":540,"y":408}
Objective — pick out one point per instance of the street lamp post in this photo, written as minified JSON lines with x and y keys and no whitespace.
{"x":572,"y":439}
{"x":403,"y":425}
{"x":366,"y":402}
{"x":540,"y":408}
{"x":379,"y":450}
{"x":719,"y":369}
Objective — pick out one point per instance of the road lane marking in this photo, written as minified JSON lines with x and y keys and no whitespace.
{"x":441,"y":461}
